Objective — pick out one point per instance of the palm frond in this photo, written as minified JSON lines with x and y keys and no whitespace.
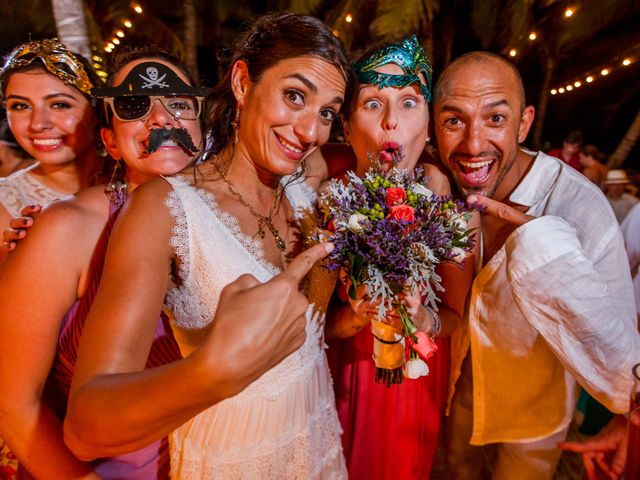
{"x":308,"y":7}
{"x":483,"y":19}
{"x":515,"y":21}
{"x":398,"y":18}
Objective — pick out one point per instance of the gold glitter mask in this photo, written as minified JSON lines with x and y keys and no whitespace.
{"x":53,"y":56}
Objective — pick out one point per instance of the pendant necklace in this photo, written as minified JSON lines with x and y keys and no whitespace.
{"x":262,"y":219}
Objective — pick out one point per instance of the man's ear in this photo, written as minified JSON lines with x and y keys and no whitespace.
{"x":525,"y":123}
{"x":240,"y":80}
{"x":109,"y":142}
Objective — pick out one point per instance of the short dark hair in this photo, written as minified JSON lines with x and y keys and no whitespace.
{"x":574,"y":136}
{"x":268,"y":40}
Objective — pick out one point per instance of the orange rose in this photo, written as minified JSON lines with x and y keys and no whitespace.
{"x":402,"y":212}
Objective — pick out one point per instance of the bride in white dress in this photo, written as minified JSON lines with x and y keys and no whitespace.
{"x":235,"y":413}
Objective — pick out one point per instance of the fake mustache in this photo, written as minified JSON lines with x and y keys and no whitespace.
{"x":179,"y":136}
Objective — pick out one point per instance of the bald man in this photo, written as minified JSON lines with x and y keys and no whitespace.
{"x":552,"y":304}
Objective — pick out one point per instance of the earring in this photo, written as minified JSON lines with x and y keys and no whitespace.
{"x":236,"y":124}
{"x":117,"y":185}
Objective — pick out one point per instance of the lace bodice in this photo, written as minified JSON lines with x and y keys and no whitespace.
{"x":291,"y":407}
{"x":21,"y":189}
{"x":190,"y":207}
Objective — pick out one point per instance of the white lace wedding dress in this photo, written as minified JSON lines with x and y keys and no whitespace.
{"x":285,"y":424}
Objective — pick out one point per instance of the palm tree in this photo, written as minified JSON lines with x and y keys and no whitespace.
{"x":190,"y":38}
{"x":71,"y":25}
{"x":626,"y":144}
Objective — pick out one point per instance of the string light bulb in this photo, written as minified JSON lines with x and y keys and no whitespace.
{"x":604,"y":72}
{"x":96,"y":58}
{"x":626,"y":62}
{"x":120,"y":33}
{"x":111,"y":45}
{"x":115,"y":41}
{"x":127,"y":23}
{"x":569,"y":88}
{"x":513,"y":52}
{"x":589,"y":79}
{"x":569,"y":12}
{"x":348,"y":18}
{"x":577,"y":84}
{"x":561,"y":90}
{"x":136,"y":8}
{"x":533,"y":36}
{"x":553,"y":91}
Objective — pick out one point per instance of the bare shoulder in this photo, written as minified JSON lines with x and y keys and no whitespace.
{"x":149,"y":197}
{"x":145,"y":213}
{"x":62,"y":238}
{"x":88,"y":204}
{"x":438,"y":178}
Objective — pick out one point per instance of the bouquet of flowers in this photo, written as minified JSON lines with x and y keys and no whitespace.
{"x":390,"y":232}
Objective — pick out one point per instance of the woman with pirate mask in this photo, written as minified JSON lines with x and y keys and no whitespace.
{"x":263,"y":412}
{"x":46,"y":90}
{"x":152,"y":126}
{"x":392,"y":432}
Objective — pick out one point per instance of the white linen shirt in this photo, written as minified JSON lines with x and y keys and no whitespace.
{"x":554,"y":304}
{"x":631,"y":232}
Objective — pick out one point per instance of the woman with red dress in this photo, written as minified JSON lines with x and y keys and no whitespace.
{"x":392,"y":432}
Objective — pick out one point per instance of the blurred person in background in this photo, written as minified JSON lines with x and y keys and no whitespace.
{"x":591,"y":159}
{"x":615,"y":188}
{"x":570,"y":151}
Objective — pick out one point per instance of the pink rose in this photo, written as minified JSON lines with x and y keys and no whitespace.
{"x":402,"y":212}
{"x":425,"y":347}
{"x":396,"y":196}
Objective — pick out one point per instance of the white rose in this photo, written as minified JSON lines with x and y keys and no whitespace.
{"x":422,"y":190}
{"x":415,"y":368}
{"x":458,"y":254}
{"x":356,"y":221}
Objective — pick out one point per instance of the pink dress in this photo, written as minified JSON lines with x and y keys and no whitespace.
{"x":389,"y":433}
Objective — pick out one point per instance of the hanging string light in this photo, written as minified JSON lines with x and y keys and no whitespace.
{"x":119,"y":34}
{"x":622,"y":62}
